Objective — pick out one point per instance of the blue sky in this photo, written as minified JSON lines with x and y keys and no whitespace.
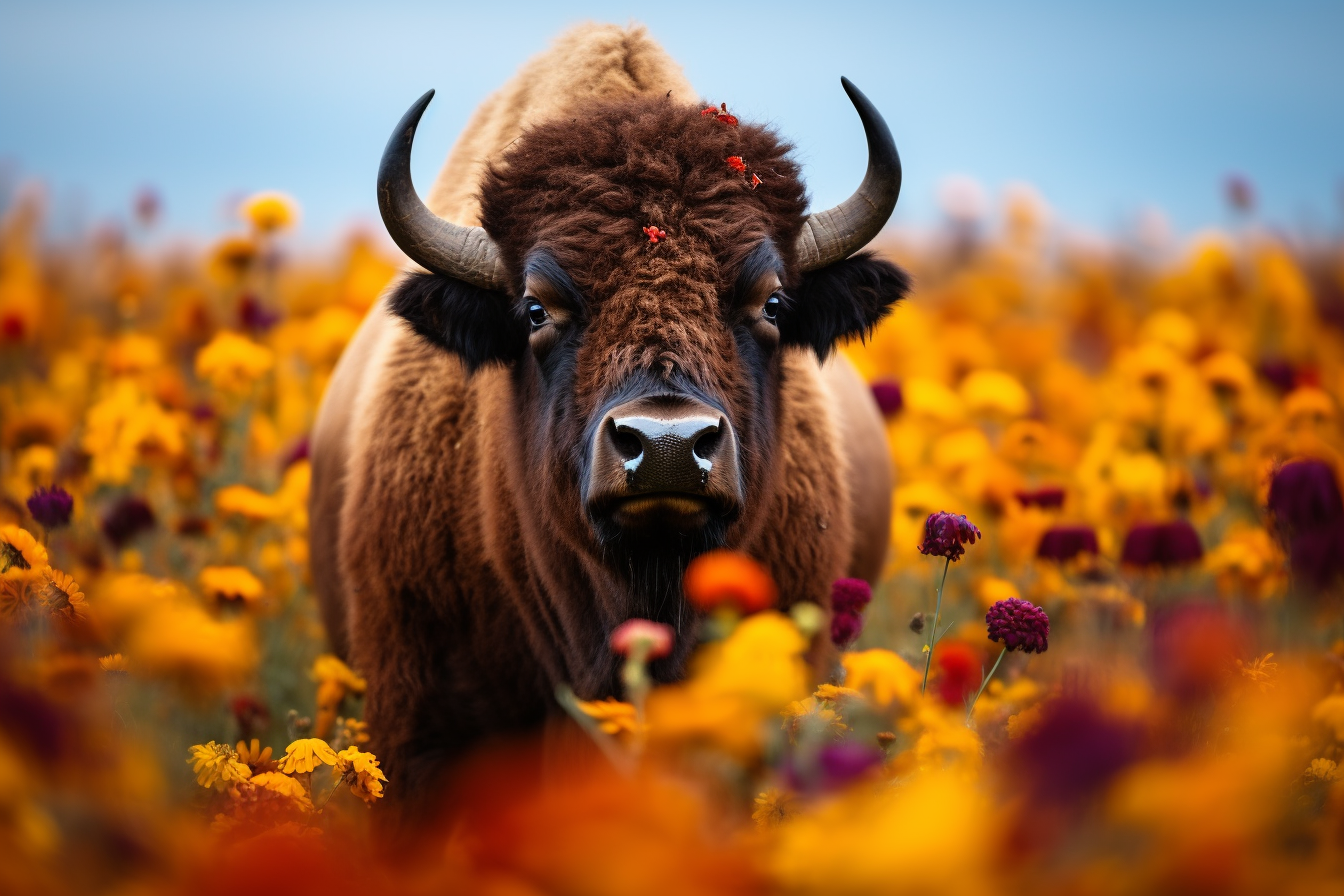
{"x":1107,"y":108}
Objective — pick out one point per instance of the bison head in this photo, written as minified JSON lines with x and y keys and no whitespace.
{"x":641,"y":290}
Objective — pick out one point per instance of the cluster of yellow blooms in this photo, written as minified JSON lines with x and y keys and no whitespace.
{"x":1150,"y":443}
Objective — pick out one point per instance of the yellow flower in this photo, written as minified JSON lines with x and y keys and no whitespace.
{"x":993,"y":392}
{"x":270,"y":211}
{"x":133,"y":353}
{"x":612,"y":716}
{"x":247,"y":502}
{"x":232,"y":362}
{"x":1227,"y":372}
{"x":62,"y":596}
{"x":21,"y":556}
{"x":127,"y":427}
{"x":306,"y":754}
{"x":231,"y":583}
{"x":772,"y":807}
{"x":184,"y":643}
{"x":352,"y":731}
{"x":254,"y":757}
{"x":992,"y":589}
{"x":361,"y":772}
{"x":1330,"y":712}
{"x":883,"y":674}
{"x":1323,"y":770}
{"x":329,"y":667}
{"x":285,"y":786}
{"x":834,"y":692}
{"x":334,"y":680}
{"x":114,"y":663}
{"x":217,"y":765}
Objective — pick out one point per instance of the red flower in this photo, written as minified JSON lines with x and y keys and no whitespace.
{"x":958,"y":671}
{"x":727,"y":577}
{"x":650,"y":639}
{"x":654,"y":233}
{"x":736,"y":163}
{"x":721,"y":114}
{"x":755,"y":181}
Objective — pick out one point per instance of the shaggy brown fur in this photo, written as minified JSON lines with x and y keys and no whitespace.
{"x":469,"y":579}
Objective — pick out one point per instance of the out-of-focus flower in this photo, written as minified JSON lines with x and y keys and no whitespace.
{"x":1240,"y":193}
{"x":250,"y":714}
{"x":1228,"y":373}
{"x":22,"y":558}
{"x":334,"y":680}
{"x":126,"y":519}
{"x":643,"y":638}
{"x":1247,"y":563}
{"x":1308,"y":512}
{"x":719,"y":578}
{"x":51,"y":507}
{"x":231,"y":583}
{"x":114,"y":663}
{"x":848,"y":598}
{"x":995,"y":393}
{"x":1323,"y":770}
{"x":613,"y":717}
{"x":247,"y":502}
{"x":882,"y":674}
{"x":1259,"y":670}
{"x":887,"y":394}
{"x":1049,"y":497}
{"x":360,"y":771}
{"x":62,"y":597}
{"x":772,"y":806}
{"x":232,"y":257}
{"x":128,"y":427}
{"x":959,"y":669}
{"x":842,"y":764}
{"x":217,"y":765}
{"x":306,"y":754}
{"x":232,"y":362}
{"x":270,"y":211}
{"x":989,"y":590}
{"x":1195,"y":649}
{"x":1018,"y":625}
{"x":1071,"y":750}
{"x":1330,"y":713}
{"x":1063,"y":543}
{"x":183,"y":643}
{"x":1174,"y":543}
{"x":945,"y":533}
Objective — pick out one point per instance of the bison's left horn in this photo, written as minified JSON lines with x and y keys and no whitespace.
{"x":443,"y":247}
{"x":839,"y":232}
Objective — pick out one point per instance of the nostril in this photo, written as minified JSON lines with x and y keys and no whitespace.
{"x":707,"y":444}
{"x":627,"y":444}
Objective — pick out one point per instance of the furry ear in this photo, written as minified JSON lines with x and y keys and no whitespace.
{"x":477,"y":325}
{"x":844,"y":299}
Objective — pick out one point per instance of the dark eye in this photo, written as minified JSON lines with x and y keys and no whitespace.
{"x":771,"y":309}
{"x":537,"y":314}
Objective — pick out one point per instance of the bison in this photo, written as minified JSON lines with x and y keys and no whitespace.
{"x":630,"y":361}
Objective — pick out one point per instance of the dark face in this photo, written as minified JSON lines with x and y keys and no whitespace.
{"x":647,"y":373}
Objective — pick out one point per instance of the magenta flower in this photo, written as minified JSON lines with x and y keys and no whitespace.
{"x":1061,"y":543}
{"x":1162,"y":544}
{"x":1308,"y":512}
{"x":1048,"y":497}
{"x":945,"y":533}
{"x":889,"y":398}
{"x":127,"y":518}
{"x":848,"y":598}
{"x":1019,"y":625}
{"x":51,"y":507}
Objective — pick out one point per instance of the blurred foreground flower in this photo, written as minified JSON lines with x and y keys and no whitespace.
{"x":727,"y":578}
{"x":270,"y":212}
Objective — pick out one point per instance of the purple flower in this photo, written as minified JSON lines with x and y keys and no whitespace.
{"x":1049,"y":497}
{"x":1061,"y":543}
{"x":945,"y":533}
{"x":298,"y":451}
{"x":255,"y":316}
{"x":1162,"y":544}
{"x":127,"y":518}
{"x":51,"y":507}
{"x":1304,"y":499}
{"x":889,"y":398}
{"x":1073,"y":751}
{"x":842,"y":763}
{"x":1019,"y":625}
{"x":848,"y":598}
{"x":1280,"y":374}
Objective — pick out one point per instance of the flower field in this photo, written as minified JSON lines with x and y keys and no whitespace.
{"x":1107,"y":655}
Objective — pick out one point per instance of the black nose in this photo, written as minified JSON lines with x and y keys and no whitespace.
{"x":668,"y":452}
{"x":664,"y":457}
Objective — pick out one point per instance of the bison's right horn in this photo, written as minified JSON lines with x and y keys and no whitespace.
{"x":443,"y":247}
{"x":837,"y":233}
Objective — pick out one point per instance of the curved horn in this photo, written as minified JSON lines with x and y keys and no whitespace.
{"x":839,"y":232}
{"x":443,"y":247}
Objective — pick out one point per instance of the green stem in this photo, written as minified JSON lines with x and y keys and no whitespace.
{"x":933,"y":629}
{"x":984,"y":684}
{"x":565,"y":695}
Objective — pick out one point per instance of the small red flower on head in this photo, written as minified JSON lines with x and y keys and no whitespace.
{"x":755,"y":181}
{"x":736,"y":163}
{"x":654,"y":233}
{"x":721,"y":114}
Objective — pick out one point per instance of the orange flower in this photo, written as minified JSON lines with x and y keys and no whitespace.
{"x":727,"y":577}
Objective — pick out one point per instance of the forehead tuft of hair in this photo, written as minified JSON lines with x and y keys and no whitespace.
{"x":583,"y":188}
